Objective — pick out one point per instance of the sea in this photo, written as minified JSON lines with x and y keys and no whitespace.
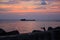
{"x":27,"y":26}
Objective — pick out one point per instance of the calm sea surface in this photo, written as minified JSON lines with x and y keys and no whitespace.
{"x":26,"y":26}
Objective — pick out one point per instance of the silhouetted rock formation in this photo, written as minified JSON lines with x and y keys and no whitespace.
{"x":13,"y":33}
{"x":58,"y":27}
{"x":40,"y":35}
{"x":2,"y":32}
{"x":50,"y":34}
{"x":57,"y":33}
{"x":36,"y":35}
{"x":36,"y":31}
{"x":50,"y":28}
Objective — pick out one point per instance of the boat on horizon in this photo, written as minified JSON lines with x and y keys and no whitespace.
{"x":27,"y":20}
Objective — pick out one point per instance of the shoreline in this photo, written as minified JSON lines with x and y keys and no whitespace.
{"x":50,"y":34}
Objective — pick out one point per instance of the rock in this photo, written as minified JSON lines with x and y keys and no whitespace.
{"x":36,"y":31}
{"x":13,"y":33}
{"x":2,"y":32}
{"x":50,"y":28}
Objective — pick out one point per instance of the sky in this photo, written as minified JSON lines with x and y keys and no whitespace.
{"x":30,"y":9}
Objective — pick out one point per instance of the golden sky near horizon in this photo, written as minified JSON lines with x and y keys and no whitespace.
{"x":30,"y":6}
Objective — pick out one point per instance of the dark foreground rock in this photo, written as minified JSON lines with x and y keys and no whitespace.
{"x":13,"y":33}
{"x":50,"y":34}
{"x":2,"y":32}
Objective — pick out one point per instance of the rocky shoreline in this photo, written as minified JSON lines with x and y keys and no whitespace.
{"x":50,"y":34}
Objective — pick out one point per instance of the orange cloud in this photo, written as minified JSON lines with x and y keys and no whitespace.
{"x":24,"y":7}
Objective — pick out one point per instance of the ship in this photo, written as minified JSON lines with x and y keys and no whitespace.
{"x":27,"y":20}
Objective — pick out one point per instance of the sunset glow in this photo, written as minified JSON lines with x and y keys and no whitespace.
{"x":29,"y":6}
{"x":31,"y":9}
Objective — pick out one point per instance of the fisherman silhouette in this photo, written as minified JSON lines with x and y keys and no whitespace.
{"x":43,"y":28}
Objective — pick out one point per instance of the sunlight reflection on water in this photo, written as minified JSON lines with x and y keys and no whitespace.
{"x":26,"y":26}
